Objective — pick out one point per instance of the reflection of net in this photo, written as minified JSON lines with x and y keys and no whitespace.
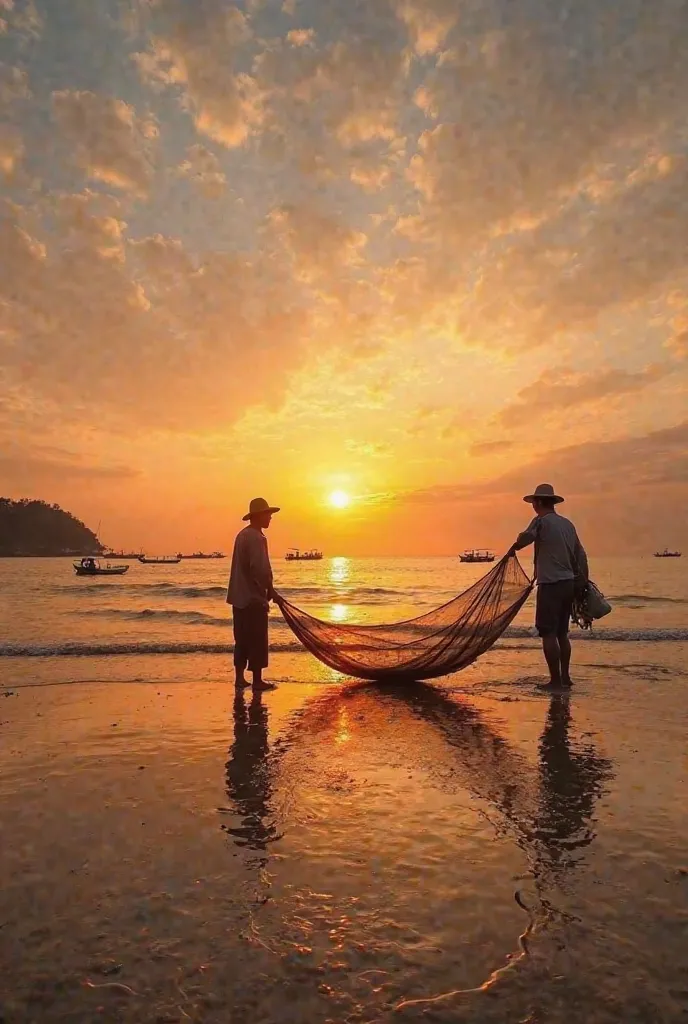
{"x":442,"y":641}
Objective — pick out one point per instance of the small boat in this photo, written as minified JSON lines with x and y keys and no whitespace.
{"x":128,"y":556}
{"x":92,"y":567}
{"x":165,"y":560}
{"x":477,"y":555}
{"x":295,"y":555}
{"x":198,"y":555}
{"x":667,"y":554}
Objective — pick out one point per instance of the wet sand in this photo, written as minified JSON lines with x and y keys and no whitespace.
{"x":335,"y":851}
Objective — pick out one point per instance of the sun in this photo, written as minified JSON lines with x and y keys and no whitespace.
{"x":339,"y":499}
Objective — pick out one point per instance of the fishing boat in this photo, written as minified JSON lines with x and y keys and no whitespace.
{"x":295,"y":555}
{"x":202,"y":555}
{"x":477,"y":555}
{"x":165,"y":560}
{"x":92,"y":567}
{"x":667,"y":554}
{"x":127,"y":556}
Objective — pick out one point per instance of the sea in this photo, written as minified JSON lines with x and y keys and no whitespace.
{"x":469,"y":850}
{"x":172,"y":621}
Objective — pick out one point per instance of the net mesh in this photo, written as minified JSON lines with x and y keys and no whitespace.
{"x":442,"y":641}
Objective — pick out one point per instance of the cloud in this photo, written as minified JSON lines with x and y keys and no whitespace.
{"x":133,"y":331}
{"x":301,"y":36}
{"x":111,"y":144}
{"x":11,"y":152}
{"x":20,"y":18}
{"x":563,"y":274}
{"x":194,"y":50}
{"x":560,"y":389}
{"x":203,"y":168}
{"x":23,"y":463}
{"x":599,"y":470}
{"x":486,"y":448}
{"x":321,"y":246}
{"x":14,"y":86}
{"x":534,"y":96}
{"x":428,"y":22}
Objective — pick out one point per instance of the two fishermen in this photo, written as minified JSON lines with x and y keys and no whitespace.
{"x":561,"y":568}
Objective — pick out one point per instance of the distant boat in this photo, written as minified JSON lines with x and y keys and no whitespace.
{"x":92,"y":567}
{"x":202,"y":555}
{"x":667,"y":554}
{"x":166,"y":560}
{"x":130,"y":555}
{"x":477,"y":555}
{"x":295,"y":555}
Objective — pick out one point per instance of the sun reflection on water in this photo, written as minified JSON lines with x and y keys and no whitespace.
{"x":339,"y":612}
{"x":339,"y":569}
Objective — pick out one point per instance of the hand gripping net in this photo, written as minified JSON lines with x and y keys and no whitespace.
{"x":436,"y":644}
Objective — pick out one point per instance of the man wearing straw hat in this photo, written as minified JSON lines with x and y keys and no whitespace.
{"x":561,"y":565}
{"x":249,"y":593}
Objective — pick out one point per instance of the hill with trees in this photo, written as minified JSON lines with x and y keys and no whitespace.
{"x":29,"y":527}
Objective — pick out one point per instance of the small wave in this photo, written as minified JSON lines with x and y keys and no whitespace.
{"x":643,"y":599}
{"x":607,"y":635}
{"x":164,"y":589}
{"x":160,"y":614}
{"x":136,"y":647}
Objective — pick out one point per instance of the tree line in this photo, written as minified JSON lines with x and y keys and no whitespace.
{"x":31,"y":527}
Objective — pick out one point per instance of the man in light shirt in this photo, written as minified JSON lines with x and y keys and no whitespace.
{"x":561,"y":565}
{"x":249,"y":593}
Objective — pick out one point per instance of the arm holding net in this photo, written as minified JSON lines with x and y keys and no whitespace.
{"x":435,"y":644}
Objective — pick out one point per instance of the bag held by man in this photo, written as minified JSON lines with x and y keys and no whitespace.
{"x":590,"y":605}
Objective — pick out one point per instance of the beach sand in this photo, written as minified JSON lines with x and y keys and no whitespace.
{"x":337,"y":849}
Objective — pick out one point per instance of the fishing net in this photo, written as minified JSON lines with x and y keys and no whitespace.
{"x":442,"y":641}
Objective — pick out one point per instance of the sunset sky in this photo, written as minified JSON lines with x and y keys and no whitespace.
{"x":430,"y":253}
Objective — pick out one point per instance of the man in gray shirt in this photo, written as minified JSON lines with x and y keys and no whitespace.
{"x":561,"y":565}
{"x":249,"y":593}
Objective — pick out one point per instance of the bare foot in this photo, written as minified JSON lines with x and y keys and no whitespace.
{"x":241,"y":682}
{"x":263,"y":684}
{"x":553,"y":684}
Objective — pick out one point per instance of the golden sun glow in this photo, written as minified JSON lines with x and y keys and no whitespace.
{"x":339,"y":499}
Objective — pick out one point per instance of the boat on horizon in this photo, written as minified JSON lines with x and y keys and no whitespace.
{"x":130,"y":555}
{"x":92,"y":567}
{"x":296,"y":555}
{"x":199,"y":555}
{"x":667,"y":554}
{"x":165,"y":560}
{"x":477,"y":555}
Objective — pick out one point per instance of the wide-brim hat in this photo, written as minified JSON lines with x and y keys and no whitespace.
{"x":543,"y":491}
{"x":257,"y":506}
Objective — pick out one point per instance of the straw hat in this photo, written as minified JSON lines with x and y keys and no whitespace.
{"x":543,"y":491}
{"x":258,"y":505}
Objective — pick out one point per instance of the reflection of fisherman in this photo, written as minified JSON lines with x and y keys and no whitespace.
{"x":570,"y":783}
{"x":248,"y":774}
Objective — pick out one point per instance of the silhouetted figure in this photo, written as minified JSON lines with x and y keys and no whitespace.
{"x":249,"y":780}
{"x":250,"y":592}
{"x":561,"y":568}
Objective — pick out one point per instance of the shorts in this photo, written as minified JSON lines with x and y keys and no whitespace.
{"x":250,"y":637}
{"x":553,"y":607}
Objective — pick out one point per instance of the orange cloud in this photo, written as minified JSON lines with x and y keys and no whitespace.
{"x":194,"y":50}
{"x":111,"y":144}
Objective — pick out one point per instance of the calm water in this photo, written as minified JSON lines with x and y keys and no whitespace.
{"x":180,"y":609}
{"x":336,"y":851}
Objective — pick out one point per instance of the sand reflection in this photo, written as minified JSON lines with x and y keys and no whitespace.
{"x":250,"y":777}
{"x":547,"y":807}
